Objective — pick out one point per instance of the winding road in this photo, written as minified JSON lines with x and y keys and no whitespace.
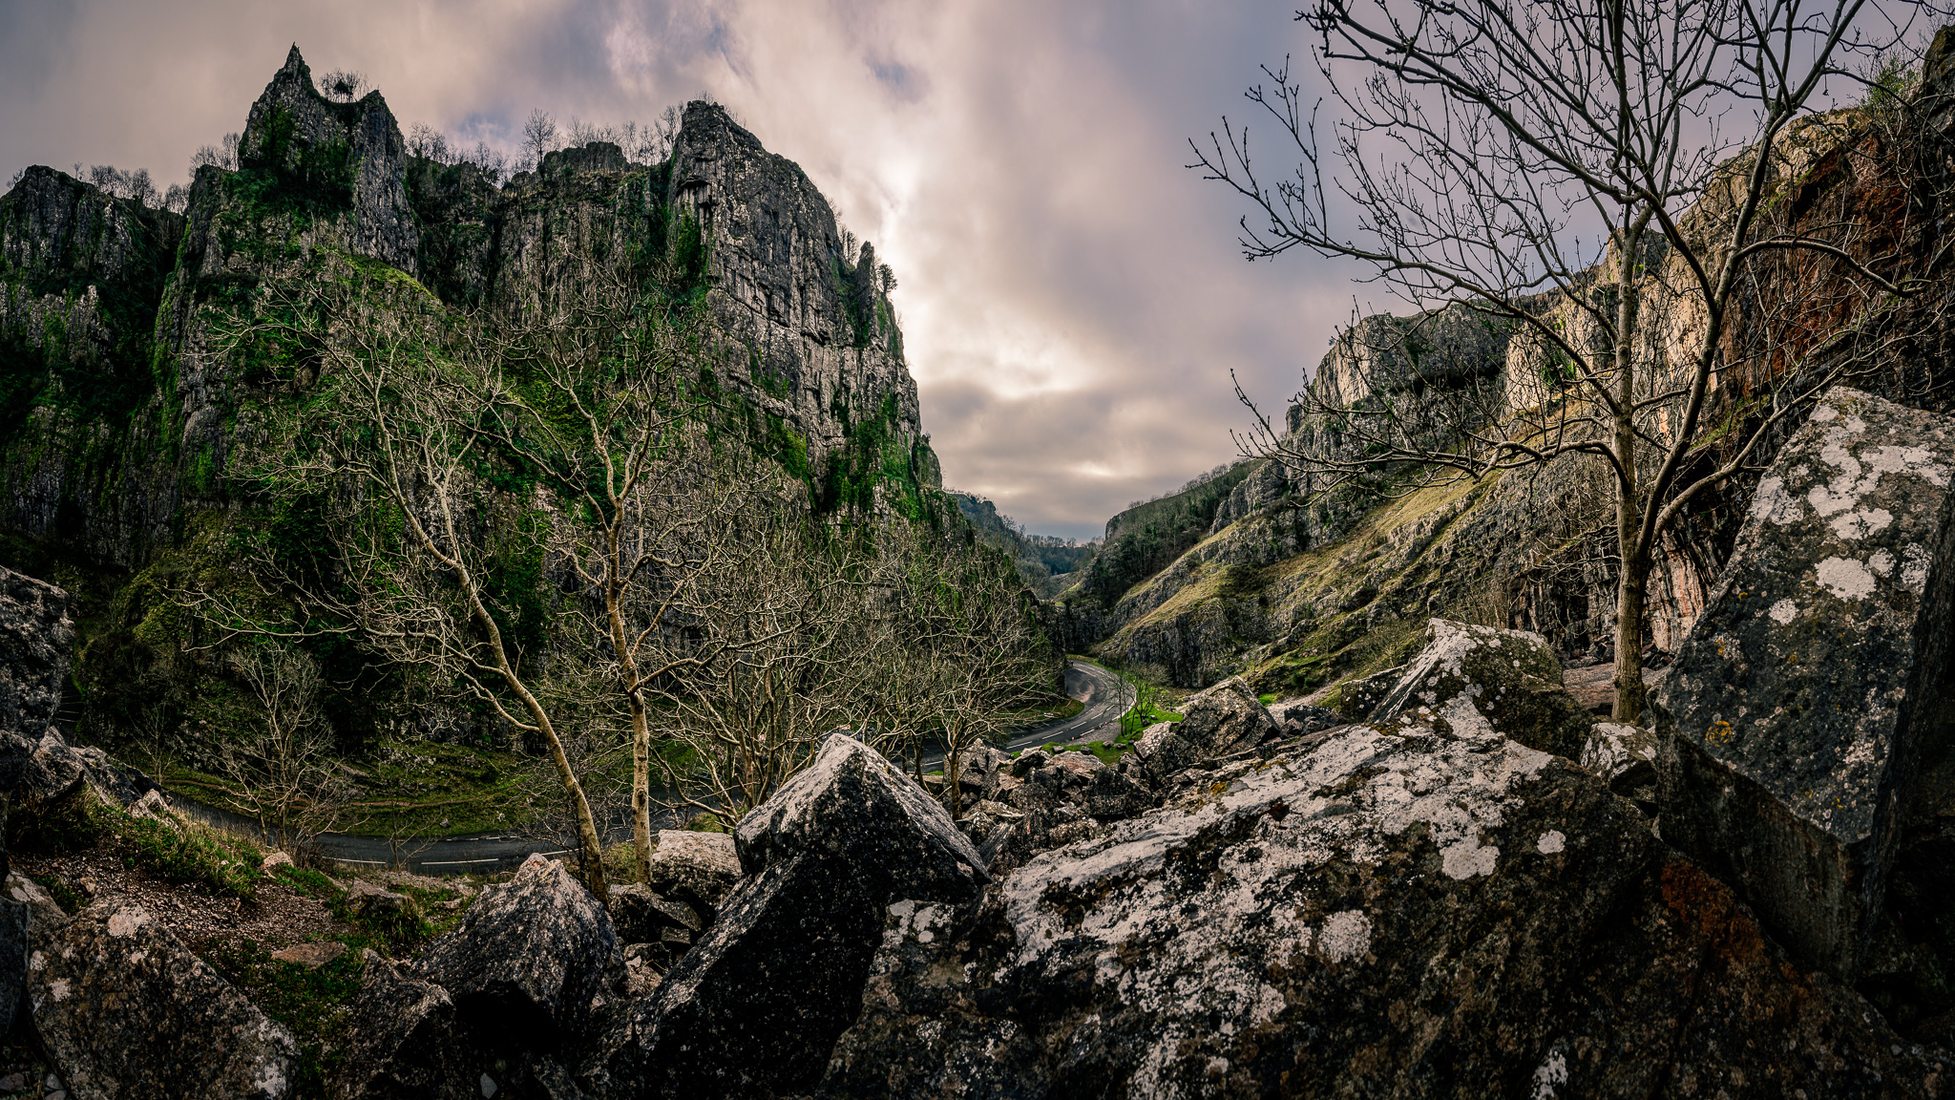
{"x":1106,"y":697}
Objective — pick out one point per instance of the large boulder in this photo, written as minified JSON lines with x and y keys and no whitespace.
{"x":1221,"y":721}
{"x":1387,"y":912}
{"x":755,"y":1006}
{"x":851,"y":803}
{"x":1799,"y":707}
{"x":530,"y":956}
{"x":1478,"y":679}
{"x":126,"y":1012}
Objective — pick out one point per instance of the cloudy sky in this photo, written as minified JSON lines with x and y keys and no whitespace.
{"x":1071,"y":296}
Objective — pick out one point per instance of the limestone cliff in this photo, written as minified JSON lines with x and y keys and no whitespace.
{"x":146,"y":357}
{"x":1301,"y":595}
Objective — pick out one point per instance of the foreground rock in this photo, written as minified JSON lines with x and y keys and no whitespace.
{"x":531,"y":955}
{"x":1219,"y":722}
{"x":753,"y":1009}
{"x":126,"y":1012}
{"x":1393,"y":911}
{"x":1799,"y":706}
{"x":1480,"y":678}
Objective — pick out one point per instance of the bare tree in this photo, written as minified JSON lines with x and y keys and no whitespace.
{"x":539,"y":137}
{"x":965,"y":651}
{"x":401,"y":445}
{"x":343,"y":86}
{"x":283,"y":766}
{"x":1598,"y":177}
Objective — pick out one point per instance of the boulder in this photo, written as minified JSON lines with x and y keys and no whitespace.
{"x":1482,"y":679}
{"x":1798,"y":709}
{"x":403,"y":1040}
{"x":755,"y":1006}
{"x":1219,"y":722}
{"x":35,"y":638}
{"x":530,"y":955}
{"x":1623,"y":755}
{"x":978,"y":770}
{"x":1385,"y":912}
{"x":126,"y":1012}
{"x":699,"y":869}
{"x":1296,"y":717}
{"x":1078,"y":780}
{"x":851,"y":803}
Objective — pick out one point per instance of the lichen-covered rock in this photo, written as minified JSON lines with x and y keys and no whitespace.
{"x":1296,"y":717}
{"x":1221,"y":721}
{"x":1797,"y":710}
{"x":1479,"y":679}
{"x":530,"y":956}
{"x":1622,"y":755}
{"x":1391,"y":912}
{"x":699,"y":869}
{"x":402,"y":1040}
{"x":756,"y":1004}
{"x":851,"y":804}
{"x":126,"y":1012}
{"x":754,"y":1007}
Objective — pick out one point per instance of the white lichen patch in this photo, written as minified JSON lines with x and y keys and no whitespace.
{"x":1783,"y":612}
{"x":1861,"y":522}
{"x":1553,"y":1071}
{"x":1772,"y":504}
{"x":1345,"y":935}
{"x":58,"y":990}
{"x":1468,"y":858}
{"x":127,"y":922}
{"x":1551,"y":842}
{"x":1845,"y":577}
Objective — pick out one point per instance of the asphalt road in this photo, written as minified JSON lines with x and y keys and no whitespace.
{"x":1105,"y":695}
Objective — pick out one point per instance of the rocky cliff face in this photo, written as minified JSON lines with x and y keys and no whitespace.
{"x":1301,"y":595}
{"x":145,"y":358}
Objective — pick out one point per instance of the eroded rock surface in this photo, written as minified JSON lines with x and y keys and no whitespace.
{"x":530,"y":956}
{"x":754,"y":1007}
{"x":850,"y":802}
{"x":126,"y":1012}
{"x":699,"y":869}
{"x":1391,"y":912}
{"x":1798,"y":708}
{"x":1221,"y":721}
{"x":1477,"y":679}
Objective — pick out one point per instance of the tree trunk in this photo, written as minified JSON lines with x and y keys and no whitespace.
{"x":1632,"y":595}
{"x":641,"y":786}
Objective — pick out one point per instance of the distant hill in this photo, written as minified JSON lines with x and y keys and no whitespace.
{"x":1050,"y":565}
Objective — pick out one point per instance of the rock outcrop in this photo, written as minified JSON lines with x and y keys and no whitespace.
{"x":126,"y":1012}
{"x":1482,"y":678}
{"x":332,"y":147}
{"x":1224,"y":720}
{"x":531,"y":955}
{"x":1386,"y":910}
{"x":755,"y":1006}
{"x":1800,"y":707}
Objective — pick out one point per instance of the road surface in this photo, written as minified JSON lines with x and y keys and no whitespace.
{"x":1106,"y":697}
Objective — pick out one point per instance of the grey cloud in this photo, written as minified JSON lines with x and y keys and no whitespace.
{"x":1072,"y":298}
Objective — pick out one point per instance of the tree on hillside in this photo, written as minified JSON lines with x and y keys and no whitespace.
{"x":439,"y":576}
{"x":1632,"y":186}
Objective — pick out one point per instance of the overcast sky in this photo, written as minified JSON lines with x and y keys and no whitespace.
{"x":1071,"y":297}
